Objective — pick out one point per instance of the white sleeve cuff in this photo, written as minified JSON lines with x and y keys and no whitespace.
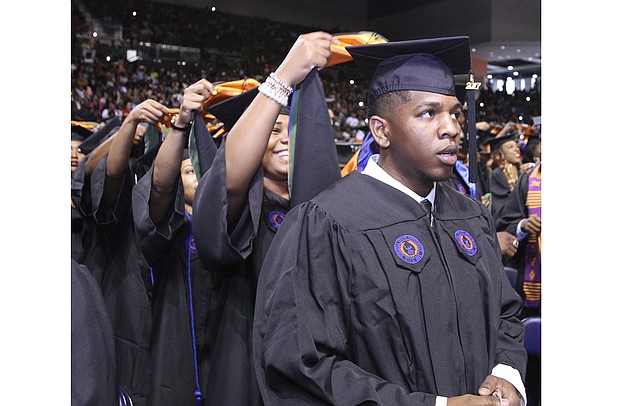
{"x":441,"y":401}
{"x":514,"y":377}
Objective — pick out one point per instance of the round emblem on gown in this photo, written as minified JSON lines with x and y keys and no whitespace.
{"x":462,"y":189}
{"x":276,"y":218}
{"x":409,"y":249}
{"x":466,"y":241}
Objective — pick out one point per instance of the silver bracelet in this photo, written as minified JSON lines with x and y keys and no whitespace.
{"x":279,"y":81}
{"x":276,"y":90}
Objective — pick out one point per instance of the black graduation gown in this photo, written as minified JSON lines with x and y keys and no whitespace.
{"x":93,"y":368}
{"x":357,"y":304}
{"x":513,"y":212}
{"x":237,"y":252}
{"x":499,"y":189}
{"x":112,"y":254}
{"x":165,"y":248}
{"x":456,"y":181}
{"x":76,"y":235}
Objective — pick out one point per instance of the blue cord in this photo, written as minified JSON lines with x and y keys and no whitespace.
{"x":197,"y":394}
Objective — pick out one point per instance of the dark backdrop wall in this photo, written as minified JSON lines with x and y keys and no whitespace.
{"x":482,"y":20}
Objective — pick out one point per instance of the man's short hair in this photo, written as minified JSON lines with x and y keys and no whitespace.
{"x":388,"y":102}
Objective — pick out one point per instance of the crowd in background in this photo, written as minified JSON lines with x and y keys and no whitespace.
{"x":102,"y":88}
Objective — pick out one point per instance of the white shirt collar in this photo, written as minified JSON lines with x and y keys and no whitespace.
{"x":373,"y":170}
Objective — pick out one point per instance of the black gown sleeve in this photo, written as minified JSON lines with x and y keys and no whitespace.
{"x":218,"y":242}
{"x":514,"y":208}
{"x":156,"y":241}
{"x":87,"y":196}
{"x":301,"y":321}
{"x":499,"y":189}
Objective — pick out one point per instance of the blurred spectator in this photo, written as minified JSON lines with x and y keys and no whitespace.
{"x":505,"y":166}
{"x":110,"y":112}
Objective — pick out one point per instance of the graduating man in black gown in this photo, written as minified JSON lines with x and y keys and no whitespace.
{"x":368,"y":297}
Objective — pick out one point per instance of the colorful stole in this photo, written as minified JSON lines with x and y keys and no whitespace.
{"x":531,"y":279}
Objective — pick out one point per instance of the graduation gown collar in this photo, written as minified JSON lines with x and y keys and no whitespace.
{"x":392,"y":204}
{"x":373,"y":169}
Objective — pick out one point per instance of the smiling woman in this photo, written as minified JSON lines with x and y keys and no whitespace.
{"x":505,"y":165}
{"x":243,"y":199}
{"x":275,"y":161}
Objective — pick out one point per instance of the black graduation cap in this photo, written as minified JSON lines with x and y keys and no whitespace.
{"x":79,"y":133}
{"x":461,"y":93}
{"x":497,"y":142}
{"x":427,"y":65}
{"x":92,"y":142}
{"x":482,"y":138}
{"x":229,"y":110}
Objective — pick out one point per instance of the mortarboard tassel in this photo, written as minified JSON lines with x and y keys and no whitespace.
{"x":471,"y":87}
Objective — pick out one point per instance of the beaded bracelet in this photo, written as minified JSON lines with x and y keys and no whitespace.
{"x":279,"y":81}
{"x":276,"y":90}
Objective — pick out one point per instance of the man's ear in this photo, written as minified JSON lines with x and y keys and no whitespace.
{"x":380,"y":131}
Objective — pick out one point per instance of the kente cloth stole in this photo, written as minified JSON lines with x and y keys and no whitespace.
{"x":531,"y":278}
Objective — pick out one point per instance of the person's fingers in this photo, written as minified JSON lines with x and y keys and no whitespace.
{"x":156,"y":108}
{"x":488,"y":386}
{"x":309,"y":51}
{"x":203,"y":87}
{"x":472,"y":400}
